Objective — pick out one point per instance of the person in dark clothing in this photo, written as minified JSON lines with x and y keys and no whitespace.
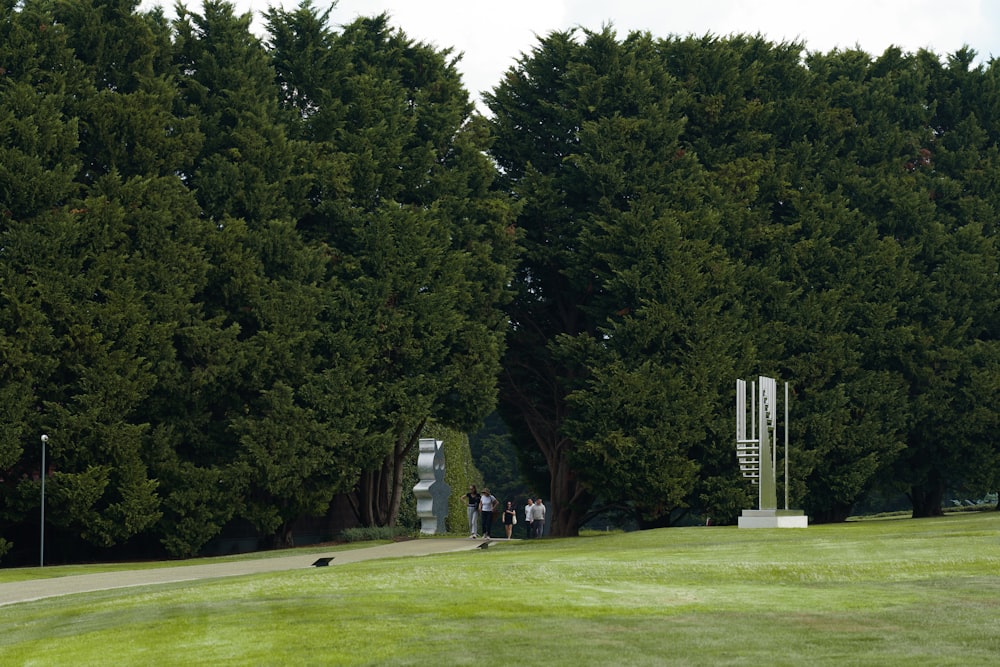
{"x":509,"y":518}
{"x":472,"y":507}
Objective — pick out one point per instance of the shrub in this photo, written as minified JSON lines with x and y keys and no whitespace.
{"x":373,"y":533}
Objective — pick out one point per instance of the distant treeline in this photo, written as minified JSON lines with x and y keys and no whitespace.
{"x":241,"y":275}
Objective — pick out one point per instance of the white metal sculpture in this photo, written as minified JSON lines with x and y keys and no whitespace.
{"x":431,"y":491}
{"x":757,"y":452}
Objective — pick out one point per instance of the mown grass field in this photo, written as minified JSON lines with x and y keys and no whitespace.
{"x":890,"y":592}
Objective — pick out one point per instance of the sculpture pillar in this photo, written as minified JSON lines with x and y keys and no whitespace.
{"x":758,"y":454}
{"x":431,"y":491}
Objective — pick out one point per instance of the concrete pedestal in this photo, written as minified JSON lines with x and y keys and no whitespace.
{"x":773,"y":519}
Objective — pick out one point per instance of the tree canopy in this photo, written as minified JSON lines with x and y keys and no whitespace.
{"x":700,"y":209}
{"x":235,"y":286}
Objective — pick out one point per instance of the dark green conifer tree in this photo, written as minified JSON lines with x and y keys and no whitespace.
{"x":401,"y":202}
{"x":626,"y":325}
{"x":107,"y":264}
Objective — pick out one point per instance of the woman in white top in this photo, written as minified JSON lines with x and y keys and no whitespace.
{"x":487,"y":503}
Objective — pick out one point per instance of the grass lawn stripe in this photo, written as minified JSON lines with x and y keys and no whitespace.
{"x":900,"y":592}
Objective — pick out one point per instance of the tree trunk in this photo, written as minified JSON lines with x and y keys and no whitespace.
{"x":379,"y":492}
{"x":836,"y":514}
{"x":282,"y":538}
{"x":569,"y":502}
{"x":532,"y":402}
{"x":373,"y":496}
{"x":927,"y":499}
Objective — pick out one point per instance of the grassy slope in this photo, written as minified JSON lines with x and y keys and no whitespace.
{"x":901,"y":592}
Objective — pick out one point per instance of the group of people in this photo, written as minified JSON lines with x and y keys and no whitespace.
{"x":486,"y":505}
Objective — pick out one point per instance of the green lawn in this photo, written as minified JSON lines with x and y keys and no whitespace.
{"x":892,"y":592}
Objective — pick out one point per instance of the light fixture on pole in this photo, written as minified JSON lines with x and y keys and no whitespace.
{"x":41,"y":550}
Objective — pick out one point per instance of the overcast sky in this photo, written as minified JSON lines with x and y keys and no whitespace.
{"x":491,"y":34}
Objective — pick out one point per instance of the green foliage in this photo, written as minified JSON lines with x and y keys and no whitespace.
{"x":373,"y":533}
{"x":699,"y":209}
{"x":221,"y":308}
{"x":40,"y":78}
{"x":245,"y":167}
{"x":400,"y":196}
{"x":621,"y":287}
{"x":496,"y":457}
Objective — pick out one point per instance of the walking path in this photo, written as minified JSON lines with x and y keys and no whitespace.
{"x":24,"y":591}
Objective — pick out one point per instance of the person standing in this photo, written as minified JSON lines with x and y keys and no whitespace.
{"x":538,"y":517}
{"x":509,"y":518}
{"x":487,"y":503}
{"x":528,"y":529}
{"x":472,"y":507}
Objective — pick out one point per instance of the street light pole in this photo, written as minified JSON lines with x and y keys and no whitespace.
{"x":41,"y":550}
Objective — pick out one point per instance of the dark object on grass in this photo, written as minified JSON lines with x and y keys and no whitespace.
{"x":323,"y":562}
{"x":484,"y":545}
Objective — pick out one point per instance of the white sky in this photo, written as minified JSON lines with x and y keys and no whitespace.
{"x":491,"y":35}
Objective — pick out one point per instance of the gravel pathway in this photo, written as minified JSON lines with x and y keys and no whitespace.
{"x":24,"y":591}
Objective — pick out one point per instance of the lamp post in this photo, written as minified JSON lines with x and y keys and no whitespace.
{"x":41,"y":550}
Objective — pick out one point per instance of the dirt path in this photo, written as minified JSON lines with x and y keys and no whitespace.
{"x":24,"y":591}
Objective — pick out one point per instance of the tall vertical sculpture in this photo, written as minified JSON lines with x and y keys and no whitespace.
{"x":757,"y":452}
{"x":431,"y":491}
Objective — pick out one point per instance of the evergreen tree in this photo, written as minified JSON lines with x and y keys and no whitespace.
{"x":100,"y":262}
{"x":37,"y":77}
{"x":277,"y":442}
{"x":623,"y":305}
{"x":951,"y":231}
{"x":401,"y":199}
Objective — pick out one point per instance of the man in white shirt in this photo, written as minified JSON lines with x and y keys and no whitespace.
{"x":529,"y":529}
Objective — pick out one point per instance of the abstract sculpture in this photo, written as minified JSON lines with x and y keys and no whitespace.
{"x":431,"y":491}
{"x":758,"y":454}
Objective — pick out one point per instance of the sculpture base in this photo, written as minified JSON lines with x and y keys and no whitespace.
{"x":773,"y":519}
